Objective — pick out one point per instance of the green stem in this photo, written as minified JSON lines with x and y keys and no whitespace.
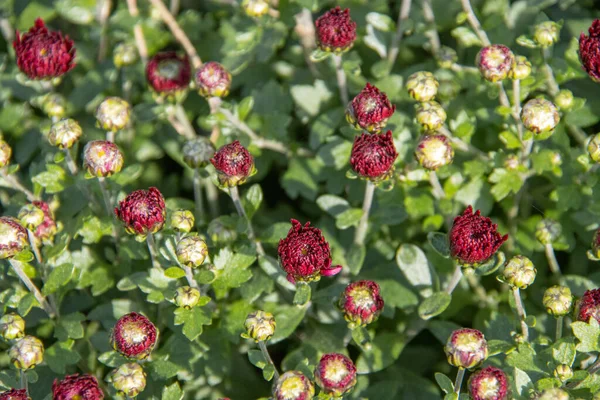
{"x":397,"y":38}
{"x":552,"y":261}
{"x":265,"y":352}
{"x":429,"y":16}
{"x":153,"y":251}
{"x":200,"y":213}
{"x":438,"y":191}
{"x":459,"y":378}
{"x":235,"y":196}
{"x":181,"y":116}
{"x":17,"y":186}
{"x":189,"y":276}
{"x":474,"y":22}
{"x":363,"y":225}
{"x":70,"y":163}
{"x":33,"y":289}
{"x":212,"y":194}
{"x":24,"y":382}
{"x":109,"y":208}
{"x":521,"y":313}
{"x":477,"y":287}
{"x":559,"y":328}
{"x":341,"y":79}
{"x":34,"y":247}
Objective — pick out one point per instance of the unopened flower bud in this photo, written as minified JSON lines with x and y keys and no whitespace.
{"x":370,"y":109}
{"x":64,"y":133}
{"x":260,"y":326}
{"x":142,"y":212}
{"x":519,"y":272}
{"x":563,"y":372}
{"x":31,"y":216}
{"x":489,"y":383}
{"x":596,"y":244}
{"x":234,"y":164}
{"x":495,"y":62}
{"x":191,"y":251}
{"x":102,"y":158}
{"x":198,"y":152}
{"x":521,"y":69}
{"x":431,"y":115}
{"x":13,"y":237}
{"x":182,"y":221}
{"x":113,"y":114}
{"x":5,"y":153}
{"x":77,"y":387}
{"x":434,"y":151}
{"x":12,"y":326}
{"x":134,"y":336}
{"x":466,"y":348}
{"x":213,"y":80}
{"x":125,"y":54}
{"x":589,"y":306}
{"x":27,"y":352}
{"x":546,"y":33}
{"x":46,"y":231}
{"x":293,"y":385}
{"x":589,"y":51}
{"x":187,"y":297}
{"x":129,"y":379}
{"x":361,"y":303}
{"x":547,"y":231}
{"x":553,"y":394}
{"x":336,"y":31}
{"x":422,"y":86}
{"x":15,"y":394}
{"x":446,"y":57}
{"x":169,"y":75}
{"x":255,"y":8}
{"x":593,"y":148}
{"x":373,"y":156}
{"x":558,"y":300}
{"x":53,"y":105}
{"x":540,"y":115}
{"x":512,"y":162}
{"x":335,"y":374}
{"x":564,"y":99}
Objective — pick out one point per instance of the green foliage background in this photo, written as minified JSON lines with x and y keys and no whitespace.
{"x":201,"y":353}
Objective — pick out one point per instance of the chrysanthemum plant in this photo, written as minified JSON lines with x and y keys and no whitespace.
{"x":299,"y":199}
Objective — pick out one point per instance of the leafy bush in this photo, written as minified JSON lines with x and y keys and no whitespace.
{"x":160,"y":164}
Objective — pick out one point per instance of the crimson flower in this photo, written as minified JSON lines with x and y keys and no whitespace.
{"x":134,"y":336}
{"x":370,"y":109}
{"x":361,"y":302}
{"x":305,"y":255}
{"x":142,"y":211}
{"x":15,"y":394}
{"x":44,"y":54}
{"x":473,"y":238}
{"x":47,"y":229}
{"x":489,"y":383}
{"x":373,"y":156}
{"x":168,"y":72}
{"x":234,"y":164}
{"x":335,"y":374}
{"x":335,"y":30}
{"x":589,"y":51}
{"x":77,"y":387}
{"x":589,"y":306}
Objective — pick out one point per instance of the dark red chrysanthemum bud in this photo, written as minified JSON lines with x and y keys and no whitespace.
{"x":13,"y":237}
{"x":305,"y":255}
{"x":373,"y":156}
{"x":495,"y":62}
{"x":47,"y":229}
{"x":473,"y":238}
{"x":336,"y":32}
{"x":169,"y":74}
{"x":134,"y":336}
{"x":142,"y":211}
{"x":589,"y":51}
{"x":43,"y":54}
{"x":370,"y":109}
{"x":589,"y":306}
{"x":234,"y":164}
{"x":361,"y":303}
{"x":335,"y":374}
{"x":15,"y":394}
{"x":489,"y":383}
{"x":77,"y":387}
{"x":466,"y":348}
{"x":102,"y":158}
{"x":213,"y":80}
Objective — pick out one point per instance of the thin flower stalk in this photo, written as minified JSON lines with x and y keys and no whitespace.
{"x":33,"y":289}
{"x":340,"y":75}
{"x":400,"y":27}
{"x":363,"y":225}
{"x":521,"y":313}
{"x":267,"y":356}
{"x":235,"y":196}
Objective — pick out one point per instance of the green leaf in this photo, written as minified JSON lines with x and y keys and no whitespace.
{"x":94,"y":229}
{"x":385,"y":349}
{"x":333,"y":205}
{"x":26,"y":303}
{"x":505,"y":182}
{"x":252,"y":200}
{"x":232,"y":269}
{"x":59,"y":276}
{"x":288,"y":318}
{"x":163,"y":369}
{"x":172,"y":392}
{"x":303,"y":292}
{"x":70,"y":326}
{"x":588,"y":335}
{"x":33,"y":11}
{"x":445,"y":383}
{"x":174,"y":273}
{"x":80,"y":12}
{"x":381,"y":22}
{"x":434,"y":305}
{"x":192,"y":321}
{"x":112,"y":359}
{"x":439,"y":242}
{"x":564,"y":351}
{"x":414,"y":265}
{"x":257,"y":359}
{"x":54,"y":179}
{"x":526,"y":41}
{"x":245,"y":107}
{"x":300,"y":179}
{"x":60,"y":355}
{"x":348,"y":218}
{"x":355,"y":258}
{"x":319,"y":55}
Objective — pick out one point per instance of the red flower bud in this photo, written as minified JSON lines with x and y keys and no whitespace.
{"x":15,"y":394}
{"x":13,"y":237}
{"x":168,"y":72}
{"x":234,"y":164}
{"x":495,"y":62}
{"x":335,"y":374}
{"x":489,"y":383}
{"x":466,"y":348}
{"x":336,"y":32}
{"x":305,"y":255}
{"x":77,"y":387}
{"x":142,"y":211}
{"x":102,"y":158}
{"x":134,"y":336}
{"x":589,"y":306}
{"x":361,"y":303}
{"x":373,"y":155}
{"x":213,"y":80}
{"x":370,"y":109}
{"x":473,"y":238}
{"x":47,"y":229}
{"x":589,"y":51}
{"x":42,"y":54}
